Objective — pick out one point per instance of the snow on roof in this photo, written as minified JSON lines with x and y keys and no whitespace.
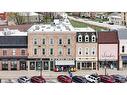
{"x":7,"y":32}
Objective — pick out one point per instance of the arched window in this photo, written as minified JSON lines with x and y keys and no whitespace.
{"x":86,"y":38}
{"x":93,"y":51}
{"x":123,"y":49}
{"x":35,"y":41}
{"x":80,"y":38}
{"x":93,"y":38}
{"x":79,"y":51}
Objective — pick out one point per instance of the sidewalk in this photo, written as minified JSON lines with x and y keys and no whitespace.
{"x":51,"y":74}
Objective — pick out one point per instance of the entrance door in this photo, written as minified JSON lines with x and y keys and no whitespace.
{"x":23,"y":65}
{"x":78,"y":66}
{"x":51,"y":65}
{"x":46,"y":65}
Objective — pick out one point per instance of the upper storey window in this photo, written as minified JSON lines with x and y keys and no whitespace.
{"x":86,"y":38}
{"x":93,"y":38}
{"x":79,"y":38}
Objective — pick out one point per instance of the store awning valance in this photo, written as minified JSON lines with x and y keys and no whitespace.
{"x":64,"y":63}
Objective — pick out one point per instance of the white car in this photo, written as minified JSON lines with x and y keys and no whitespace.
{"x":92,"y":78}
{"x":23,"y":79}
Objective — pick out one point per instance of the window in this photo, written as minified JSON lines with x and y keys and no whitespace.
{"x":23,"y":52}
{"x":35,"y":41}
{"x":60,"y":51}
{"x":43,"y":41}
{"x":13,"y":65}
{"x":86,"y":38}
{"x":80,"y":38}
{"x":51,"y":51}
{"x":32,"y":65}
{"x":79,"y":51}
{"x":68,"y":41}
{"x":13,"y":52}
{"x":87,"y":51}
{"x":51,"y":41}
{"x":123,"y":49}
{"x":93,"y":51}
{"x":4,"y":52}
{"x":93,"y":38}
{"x":60,"y":41}
{"x":68,"y":51}
{"x":35,"y":51}
{"x":43,"y":51}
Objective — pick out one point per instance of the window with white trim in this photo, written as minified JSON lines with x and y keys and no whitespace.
{"x":59,"y":51}
{"x":93,"y":51}
{"x":86,"y":38}
{"x":79,"y":38}
{"x":35,"y":51}
{"x":69,"y":51}
{"x":51,"y":41}
{"x":86,"y":51}
{"x":35,"y":41}
{"x":79,"y":51}
{"x":14,"y":52}
{"x":93,"y":38}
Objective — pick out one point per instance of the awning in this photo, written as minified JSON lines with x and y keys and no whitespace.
{"x":64,"y":62}
{"x":124,"y":58}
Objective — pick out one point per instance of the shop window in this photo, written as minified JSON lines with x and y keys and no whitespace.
{"x":4,"y":65}
{"x":32,"y":65}
{"x":79,"y":38}
{"x":13,"y":65}
{"x":123,"y":49}
{"x":4,"y":52}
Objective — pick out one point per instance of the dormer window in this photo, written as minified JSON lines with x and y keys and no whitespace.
{"x":93,"y":38}
{"x":80,"y":38}
{"x":86,"y":38}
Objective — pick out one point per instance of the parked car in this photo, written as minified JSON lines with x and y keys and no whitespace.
{"x":92,"y":78}
{"x":23,"y":79}
{"x":38,"y":79}
{"x":64,"y":79}
{"x":79,"y":79}
{"x":119,"y":78}
{"x":106,"y":79}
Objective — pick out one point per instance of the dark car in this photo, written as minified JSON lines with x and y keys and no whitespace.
{"x":119,"y":78}
{"x":38,"y":79}
{"x":79,"y":79}
{"x":64,"y":79}
{"x":106,"y":79}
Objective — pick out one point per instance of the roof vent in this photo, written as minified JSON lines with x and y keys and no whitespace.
{"x":37,"y":27}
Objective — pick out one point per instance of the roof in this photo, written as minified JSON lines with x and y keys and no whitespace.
{"x":13,"y":41}
{"x":107,"y":37}
{"x":22,"y":28}
{"x":122,"y":33}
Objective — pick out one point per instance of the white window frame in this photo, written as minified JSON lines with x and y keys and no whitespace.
{"x":34,"y":52}
{"x":59,"y":41}
{"x":13,"y":52}
{"x":70,"y":51}
{"x":79,"y":50}
{"x":86,"y":50}
{"x":93,"y":50}
{"x":35,"y":39}
{"x":60,"y":49}
{"x":93,"y":38}
{"x":51,"y":41}
{"x":80,"y":38}
{"x":86,"y":37}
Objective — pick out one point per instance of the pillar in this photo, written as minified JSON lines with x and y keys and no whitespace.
{"x":18,"y":65}
{"x":80,"y":65}
{"x":28,"y":65}
{"x":0,"y":65}
{"x":9,"y":65}
{"x":120,"y":64}
{"x":92,"y":65}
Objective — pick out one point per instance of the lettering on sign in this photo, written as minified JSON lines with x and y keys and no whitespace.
{"x":108,"y":55}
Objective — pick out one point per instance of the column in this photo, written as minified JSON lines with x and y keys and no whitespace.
{"x":28,"y":65}
{"x":80,"y":65}
{"x":120,"y":64}
{"x":18,"y":66}
{"x":9,"y":65}
{"x":0,"y":65}
{"x":49,"y":65}
{"x":92,"y":65}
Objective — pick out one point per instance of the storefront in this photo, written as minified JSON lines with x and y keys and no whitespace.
{"x":124,"y":62}
{"x":23,"y":65}
{"x":61,"y":65}
{"x":87,"y":65}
